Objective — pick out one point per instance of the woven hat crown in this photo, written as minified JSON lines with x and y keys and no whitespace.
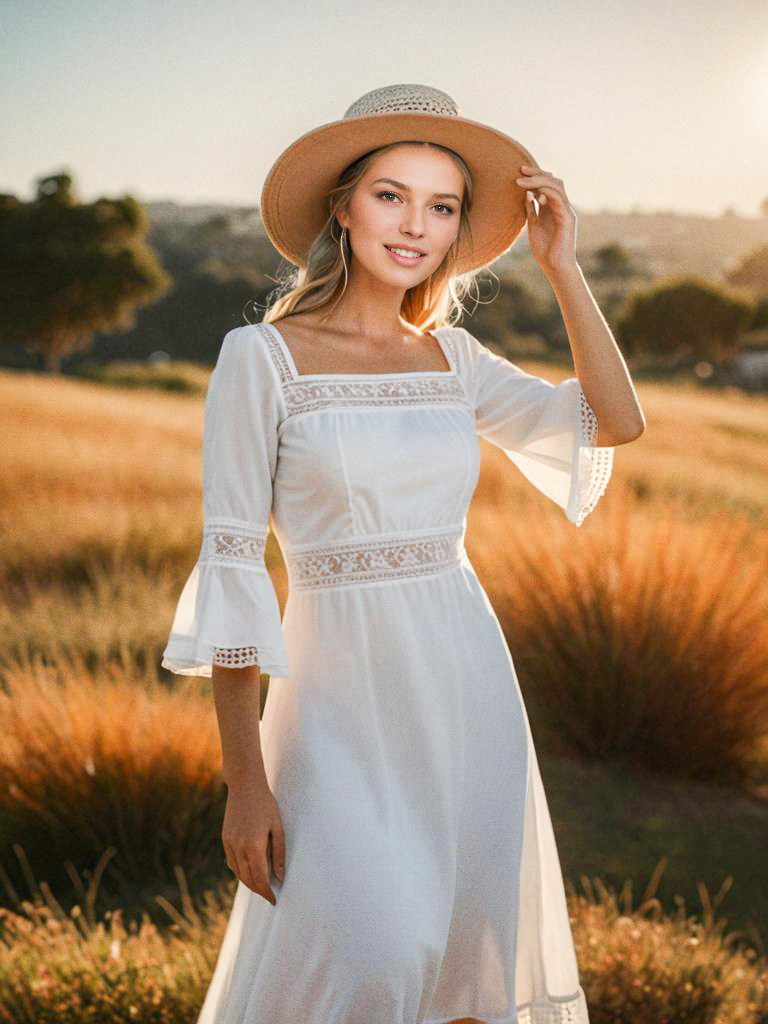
{"x":412,"y":98}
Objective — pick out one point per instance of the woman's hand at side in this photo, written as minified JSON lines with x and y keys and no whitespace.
{"x":252,"y":831}
{"x":253,"y":837}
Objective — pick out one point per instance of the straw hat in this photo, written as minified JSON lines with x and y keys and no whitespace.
{"x":294,"y":203}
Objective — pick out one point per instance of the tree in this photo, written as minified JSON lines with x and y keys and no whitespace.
{"x":612,"y":261}
{"x":684,"y":317}
{"x":760,"y":319}
{"x":72,"y":269}
{"x":514,"y":310}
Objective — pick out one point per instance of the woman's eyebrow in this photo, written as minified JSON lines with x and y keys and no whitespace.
{"x":407,"y":188}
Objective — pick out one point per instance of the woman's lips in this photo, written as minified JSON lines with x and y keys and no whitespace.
{"x":404,"y":261}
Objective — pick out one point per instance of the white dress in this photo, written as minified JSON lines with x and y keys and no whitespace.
{"x":422,"y":880}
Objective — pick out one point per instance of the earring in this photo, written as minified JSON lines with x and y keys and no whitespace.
{"x":343,"y":259}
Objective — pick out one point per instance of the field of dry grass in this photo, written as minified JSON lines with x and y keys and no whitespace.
{"x":638,"y":637}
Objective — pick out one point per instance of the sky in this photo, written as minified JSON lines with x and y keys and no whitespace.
{"x":636,"y":104}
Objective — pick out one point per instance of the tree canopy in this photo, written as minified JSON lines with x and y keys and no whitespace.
{"x":72,"y":269}
{"x":685,"y":316}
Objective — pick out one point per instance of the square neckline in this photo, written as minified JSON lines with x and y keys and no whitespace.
{"x":355,"y":376}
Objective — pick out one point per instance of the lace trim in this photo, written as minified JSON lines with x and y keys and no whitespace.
{"x":305,"y":395}
{"x":596,"y":467}
{"x":550,"y":1011}
{"x":595,"y":464}
{"x":588,"y":420}
{"x":238,"y":657}
{"x":276,"y":351}
{"x":377,"y":559}
{"x":234,"y":542}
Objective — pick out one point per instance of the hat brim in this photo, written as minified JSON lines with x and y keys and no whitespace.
{"x":292,"y":207}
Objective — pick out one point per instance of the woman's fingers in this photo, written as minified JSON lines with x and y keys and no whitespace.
{"x":258,"y":879}
{"x":244,"y":869}
{"x":541,"y":180}
{"x":277,"y":850}
{"x":539,"y":186}
{"x":250,"y":866}
{"x":538,"y":172}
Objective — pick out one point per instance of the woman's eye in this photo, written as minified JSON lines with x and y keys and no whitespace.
{"x":444,"y":205}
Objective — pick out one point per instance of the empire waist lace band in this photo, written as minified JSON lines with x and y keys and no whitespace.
{"x":395,"y":556}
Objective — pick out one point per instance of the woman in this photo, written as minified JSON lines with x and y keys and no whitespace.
{"x":386,"y":822}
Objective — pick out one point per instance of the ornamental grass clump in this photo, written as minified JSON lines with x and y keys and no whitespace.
{"x":91,"y":762}
{"x":72,"y":967}
{"x":641,"y":967}
{"x":638,"y":637}
{"x":636,"y":966}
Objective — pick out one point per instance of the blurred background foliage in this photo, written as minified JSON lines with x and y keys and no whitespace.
{"x":90,"y":283}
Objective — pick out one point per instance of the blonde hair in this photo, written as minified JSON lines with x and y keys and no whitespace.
{"x":435,"y":302}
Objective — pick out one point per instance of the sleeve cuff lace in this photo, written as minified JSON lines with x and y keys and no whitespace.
{"x":562,"y":459}
{"x":593,"y":465}
{"x":228,"y":613}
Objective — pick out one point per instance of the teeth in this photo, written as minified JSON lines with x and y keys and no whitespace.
{"x":403,"y":252}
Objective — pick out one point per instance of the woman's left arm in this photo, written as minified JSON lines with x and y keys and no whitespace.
{"x":598,"y":362}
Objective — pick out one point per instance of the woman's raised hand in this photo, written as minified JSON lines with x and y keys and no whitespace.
{"x":253,"y":837}
{"x":551,"y":232}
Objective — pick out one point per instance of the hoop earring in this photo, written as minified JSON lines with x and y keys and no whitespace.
{"x":343,"y":259}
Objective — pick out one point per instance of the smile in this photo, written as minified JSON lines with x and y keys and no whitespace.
{"x":405,"y":255}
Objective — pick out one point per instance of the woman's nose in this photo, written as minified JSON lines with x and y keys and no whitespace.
{"x":413,"y":224}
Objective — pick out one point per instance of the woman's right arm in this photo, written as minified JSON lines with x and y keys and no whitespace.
{"x":252,"y":830}
{"x":228,"y":602}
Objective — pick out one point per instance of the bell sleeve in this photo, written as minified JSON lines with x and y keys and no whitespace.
{"x":228,"y":611}
{"x":548,"y":431}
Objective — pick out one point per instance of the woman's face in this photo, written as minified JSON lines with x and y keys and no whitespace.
{"x":416,"y":209}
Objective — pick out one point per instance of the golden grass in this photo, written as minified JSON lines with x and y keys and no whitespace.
{"x":91,"y":468}
{"x":660,"y":595}
{"x":705,"y":450}
{"x":95,"y":473}
{"x":638,"y":636}
{"x":109,"y":760}
{"x":72,"y":967}
{"x":709,"y":450}
{"x":635,"y":964}
{"x":103,"y":508}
